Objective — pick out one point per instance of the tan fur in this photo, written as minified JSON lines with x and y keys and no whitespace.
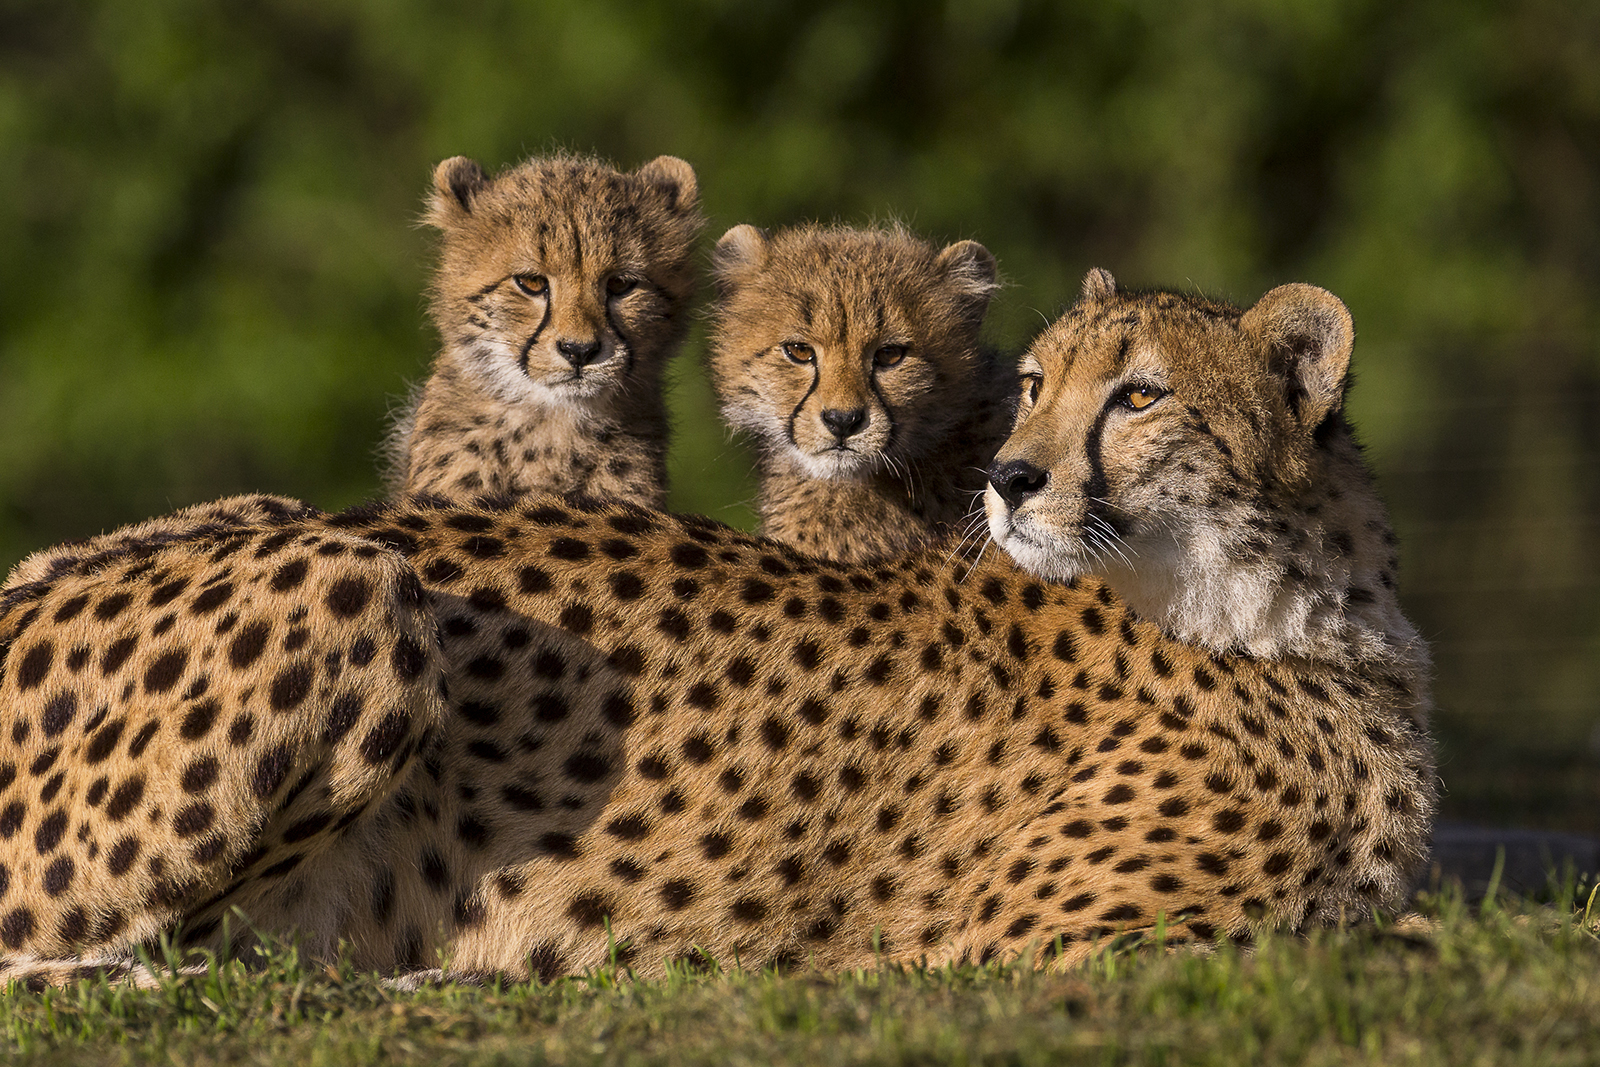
{"x":666,"y":739}
{"x":193,"y":714}
{"x":890,"y":327}
{"x":1236,"y":510}
{"x":552,"y":382}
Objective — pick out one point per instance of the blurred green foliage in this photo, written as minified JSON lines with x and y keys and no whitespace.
{"x":210,"y":276}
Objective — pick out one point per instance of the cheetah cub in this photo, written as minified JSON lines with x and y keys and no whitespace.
{"x":851,"y":357}
{"x":559,"y":299}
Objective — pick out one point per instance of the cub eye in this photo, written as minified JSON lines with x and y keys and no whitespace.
{"x":532,"y":284}
{"x":889,"y":355}
{"x":1140,"y":397}
{"x":1030,"y":386}
{"x":799,"y":352}
{"x":618,"y":284}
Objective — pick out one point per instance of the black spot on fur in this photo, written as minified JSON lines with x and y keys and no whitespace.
{"x":104,"y":741}
{"x":342,"y":715}
{"x":271,"y":770}
{"x":291,"y":687}
{"x":569,"y":548}
{"x":125,"y":798}
{"x":51,"y":829}
{"x":58,"y":713}
{"x":347,"y":597}
{"x":248,"y":644}
{"x":200,"y":775}
{"x":16,"y":928}
{"x":34,"y":666}
{"x":194,"y":819}
{"x":384,"y":739}
{"x":590,"y":910}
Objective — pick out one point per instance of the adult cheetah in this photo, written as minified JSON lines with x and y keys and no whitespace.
{"x":665,"y":739}
{"x":560,"y":297}
{"x":851,"y":358}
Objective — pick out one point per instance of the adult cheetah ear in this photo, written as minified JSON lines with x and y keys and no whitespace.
{"x":1306,"y":335}
{"x":1098,"y":285}
{"x":970,"y":269}
{"x":456,"y":182}
{"x":739,"y":254}
{"x":674,"y":178}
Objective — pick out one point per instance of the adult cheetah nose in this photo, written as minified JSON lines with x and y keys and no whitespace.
{"x":843,"y":423}
{"x":578,"y":353}
{"x":1017,"y":481}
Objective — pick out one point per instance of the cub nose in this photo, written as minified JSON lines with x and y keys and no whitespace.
{"x":843,"y":423}
{"x":578,"y":353}
{"x":1017,"y":481}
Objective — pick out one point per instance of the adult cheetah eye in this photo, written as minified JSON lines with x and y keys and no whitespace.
{"x":889,"y":355}
{"x":799,"y":352}
{"x":1140,"y":397}
{"x":618,"y":284}
{"x":1030,"y":386}
{"x":532,"y":284}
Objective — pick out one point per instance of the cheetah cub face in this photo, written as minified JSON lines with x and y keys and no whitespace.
{"x":1196,"y":457}
{"x":844,"y":351}
{"x":560,"y":276}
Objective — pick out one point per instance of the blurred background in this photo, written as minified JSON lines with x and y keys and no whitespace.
{"x":210,"y":272}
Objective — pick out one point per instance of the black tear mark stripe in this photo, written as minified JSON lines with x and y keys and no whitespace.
{"x":794,"y":416}
{"x":1095,"y":487}
{"x":544,"y":320}
{"x":894,"y":423}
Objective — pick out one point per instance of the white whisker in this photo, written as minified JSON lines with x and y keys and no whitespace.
{"x":971,"y":528}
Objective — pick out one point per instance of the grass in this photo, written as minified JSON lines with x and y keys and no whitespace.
{"x":1502,"y":983}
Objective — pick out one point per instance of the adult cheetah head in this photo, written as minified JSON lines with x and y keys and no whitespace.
{"x":561,"y":275}
{"x":847,"y":350}
{"x":1187,"y":452}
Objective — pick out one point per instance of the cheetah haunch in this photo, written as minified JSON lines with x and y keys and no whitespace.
{"x":667,"y":739}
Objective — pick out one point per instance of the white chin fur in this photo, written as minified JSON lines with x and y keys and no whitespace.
{"x":510,"y":384}
{"x":833,"y":463}
{"x":1041,"y":553}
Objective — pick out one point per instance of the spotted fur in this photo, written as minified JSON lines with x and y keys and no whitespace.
{"x":668,"y":740}
{"x":560,"y":297}
{"x":193,"y":714}
{"x":1235,"y":508}
{"x":851,"y":358}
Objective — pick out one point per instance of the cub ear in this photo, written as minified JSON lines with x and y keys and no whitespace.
{"x":1098,"y":285}
{"x":970,"y":269}
{"x":456,"y":182}
{"x":1306,"y":334}
{"x":739,"y":254}
{"x":673,"y":177}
